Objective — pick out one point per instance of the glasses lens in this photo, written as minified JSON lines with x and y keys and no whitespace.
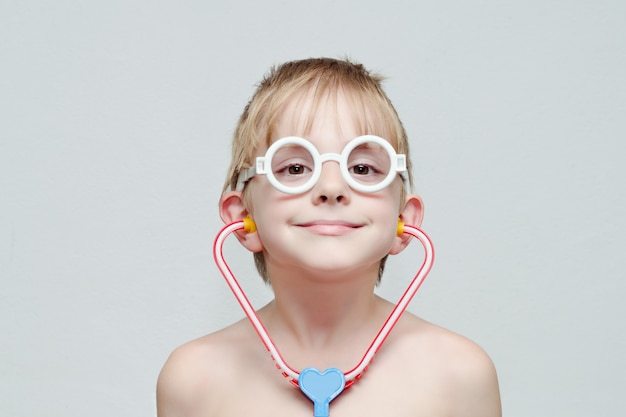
{"x":292,"y":165}
{"x":369,"y":163}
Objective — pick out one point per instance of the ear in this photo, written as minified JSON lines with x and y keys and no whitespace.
{"x":232,"y":209}
{"x":412,"y":214}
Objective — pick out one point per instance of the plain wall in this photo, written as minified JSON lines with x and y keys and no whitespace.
{"x":115,"y":123}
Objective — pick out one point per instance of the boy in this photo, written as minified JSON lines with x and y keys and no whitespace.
{"x":321,"y":243}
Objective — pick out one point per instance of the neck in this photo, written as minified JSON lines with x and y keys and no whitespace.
{"x":324,"y":320}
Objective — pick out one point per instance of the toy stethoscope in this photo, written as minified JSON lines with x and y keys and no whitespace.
{"x":322,"y":387}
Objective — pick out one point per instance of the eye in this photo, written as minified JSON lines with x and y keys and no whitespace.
{"x":296,"y":169}
{"x":292,"y":163}
{"x":292,"y":169}
{"x":361,"y":169}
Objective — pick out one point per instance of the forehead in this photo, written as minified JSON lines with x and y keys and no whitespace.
{"x":339,"y":112}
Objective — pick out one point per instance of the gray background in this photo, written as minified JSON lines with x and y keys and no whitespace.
{"x":115,"y":122}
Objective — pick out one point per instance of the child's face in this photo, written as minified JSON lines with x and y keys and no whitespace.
{"x":331,"y":226}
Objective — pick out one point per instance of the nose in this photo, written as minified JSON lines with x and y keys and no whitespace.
{"x":331,"y":187}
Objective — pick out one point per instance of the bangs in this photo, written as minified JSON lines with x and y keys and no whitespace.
{"x":327,"y":100}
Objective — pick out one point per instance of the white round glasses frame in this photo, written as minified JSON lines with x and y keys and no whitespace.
{"x":263,"y":165}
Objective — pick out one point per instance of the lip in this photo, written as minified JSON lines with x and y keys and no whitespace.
{"x":329,"y":227}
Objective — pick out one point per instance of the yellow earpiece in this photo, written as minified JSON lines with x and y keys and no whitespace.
{"x":400,"y":229}
{"x":249,"y":225}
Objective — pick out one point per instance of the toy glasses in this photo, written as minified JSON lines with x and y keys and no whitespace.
{"x":293,"y":165}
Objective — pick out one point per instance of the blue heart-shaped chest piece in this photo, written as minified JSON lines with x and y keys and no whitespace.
{"x":321,"y":387}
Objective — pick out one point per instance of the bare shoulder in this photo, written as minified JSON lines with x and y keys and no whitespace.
{"x":193,"y":372}
{"x":461,"y":353}
{"x":459,"y":370}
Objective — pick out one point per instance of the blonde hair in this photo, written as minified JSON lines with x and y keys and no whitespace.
{"x":324,"y":78}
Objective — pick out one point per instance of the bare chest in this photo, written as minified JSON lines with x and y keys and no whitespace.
{"x":373,"y":395}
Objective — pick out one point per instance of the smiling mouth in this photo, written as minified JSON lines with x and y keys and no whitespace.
{"x":329,"y":227}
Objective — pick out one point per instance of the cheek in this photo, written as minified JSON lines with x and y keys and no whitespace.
{"x":390,"y":213}
{"x":257,"y":195}
{"x":267,"y":206}
{"x":391,"y":203}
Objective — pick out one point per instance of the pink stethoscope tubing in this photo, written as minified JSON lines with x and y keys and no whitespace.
{"x":352,"y":375}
